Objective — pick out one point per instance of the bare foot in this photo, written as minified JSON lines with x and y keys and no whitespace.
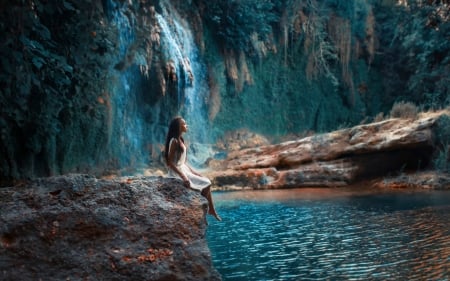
{"x":214,"y":214}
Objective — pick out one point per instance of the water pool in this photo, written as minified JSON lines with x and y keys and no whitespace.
{"x":331,"y":234}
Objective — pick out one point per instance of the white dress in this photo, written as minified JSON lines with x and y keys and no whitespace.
{"x":197,"y":182}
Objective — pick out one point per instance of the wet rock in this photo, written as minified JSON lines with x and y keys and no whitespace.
{"x":337,"y":158}
{"x":77,"y":227}
{"x":420,"y":180}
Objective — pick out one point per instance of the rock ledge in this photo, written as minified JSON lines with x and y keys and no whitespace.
{"x":338,"y":158}
{"x":77,"y":227}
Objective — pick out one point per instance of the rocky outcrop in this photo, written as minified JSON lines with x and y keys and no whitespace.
{"x":77,"y":227}
{"x":338,"y":158}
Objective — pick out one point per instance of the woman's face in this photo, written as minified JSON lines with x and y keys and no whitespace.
{"x":183,"y":126}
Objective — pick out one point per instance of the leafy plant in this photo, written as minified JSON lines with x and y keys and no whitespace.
{"x":416,"y":51}
{"x":52,"y":75}
{"x":404,"y":110}
{"x":442,"y":162}
{"x":235,"y":21}
{"x":442,"y":142}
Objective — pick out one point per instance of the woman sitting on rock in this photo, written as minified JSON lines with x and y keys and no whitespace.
{"x":175,"y":154}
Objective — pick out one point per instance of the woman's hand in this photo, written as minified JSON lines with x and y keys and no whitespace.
{"x":186,"y":182}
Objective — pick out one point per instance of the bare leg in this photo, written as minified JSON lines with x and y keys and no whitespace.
{"x":212,"y":211}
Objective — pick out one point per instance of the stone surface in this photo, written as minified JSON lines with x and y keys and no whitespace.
{"x":337,"y":158}
{"x":77,"y":227}
{"x":420,"y":180}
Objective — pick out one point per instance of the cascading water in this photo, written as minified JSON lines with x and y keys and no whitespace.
{"x":132,"y":130}
{"x":179,"y":48}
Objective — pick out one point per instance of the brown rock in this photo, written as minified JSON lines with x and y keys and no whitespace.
{"x":334,"y":159}
{"x":77,"y":227}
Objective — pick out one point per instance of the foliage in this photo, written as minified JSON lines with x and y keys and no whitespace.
{"x":407,"y":110}
{"x":429,"y":50}
{"x":57,"y":56}
{"x":442,"y":141}
{"x":60,"y":61}
{"x":379,"y":117}
{"x":321,"y":51}
{"x":442,"y":161}
{"x":332,"y":35}
{"x":54,"y":64}
{"x":354,"y":11}
{"x":235,"y":21}
{"x":416,"y":52}
{"x":308,"y":36}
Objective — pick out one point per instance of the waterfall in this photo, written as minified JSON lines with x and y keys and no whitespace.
{"x":179,"y":47}
{"x":131,"y":133}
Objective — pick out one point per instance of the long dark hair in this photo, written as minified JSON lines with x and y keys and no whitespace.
{"x":174,"y":132}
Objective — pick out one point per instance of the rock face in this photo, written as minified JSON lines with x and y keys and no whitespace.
{"x":334,"y":159}
{"x":77,"y":227}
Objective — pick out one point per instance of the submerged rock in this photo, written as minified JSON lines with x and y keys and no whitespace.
{"x":337,"y":158}
{"x":77,"y":227}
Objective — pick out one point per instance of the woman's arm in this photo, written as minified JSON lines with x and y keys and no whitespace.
{"x":171,"y":159}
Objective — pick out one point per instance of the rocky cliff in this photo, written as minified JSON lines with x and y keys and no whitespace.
{"x":89,"y":86}
{"x":389,"y":147}
{"x":77,"y":227}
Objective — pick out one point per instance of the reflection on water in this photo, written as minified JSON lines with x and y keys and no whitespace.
{"x":331,"y":234}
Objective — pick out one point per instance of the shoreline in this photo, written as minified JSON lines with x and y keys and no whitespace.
{"x":424,"y":180}
{"x":312,"y":193}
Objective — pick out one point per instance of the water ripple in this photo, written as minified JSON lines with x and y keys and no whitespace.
{"x":387,"y":237}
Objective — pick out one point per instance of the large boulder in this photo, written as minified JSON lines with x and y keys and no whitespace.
{"x":337,"y":158}
{"x":77,"y":227}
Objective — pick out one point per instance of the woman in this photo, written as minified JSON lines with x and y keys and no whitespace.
{"x":175,"y":153}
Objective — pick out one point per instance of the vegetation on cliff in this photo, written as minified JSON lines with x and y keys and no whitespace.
{"x":53,"y":63}
{"x":87,"y":86}
{"x":61,"y":62}
{"x":343,"y":61}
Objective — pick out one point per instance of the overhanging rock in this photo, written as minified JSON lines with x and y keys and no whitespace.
{"x":337,"y":158}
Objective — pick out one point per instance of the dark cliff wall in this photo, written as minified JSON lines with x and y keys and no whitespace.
{"x":292,"y":66}
{"x":90,"y":85}
{"x":72,"y":76}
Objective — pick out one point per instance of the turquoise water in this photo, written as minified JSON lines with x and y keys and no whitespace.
{"x":331,"y":234}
